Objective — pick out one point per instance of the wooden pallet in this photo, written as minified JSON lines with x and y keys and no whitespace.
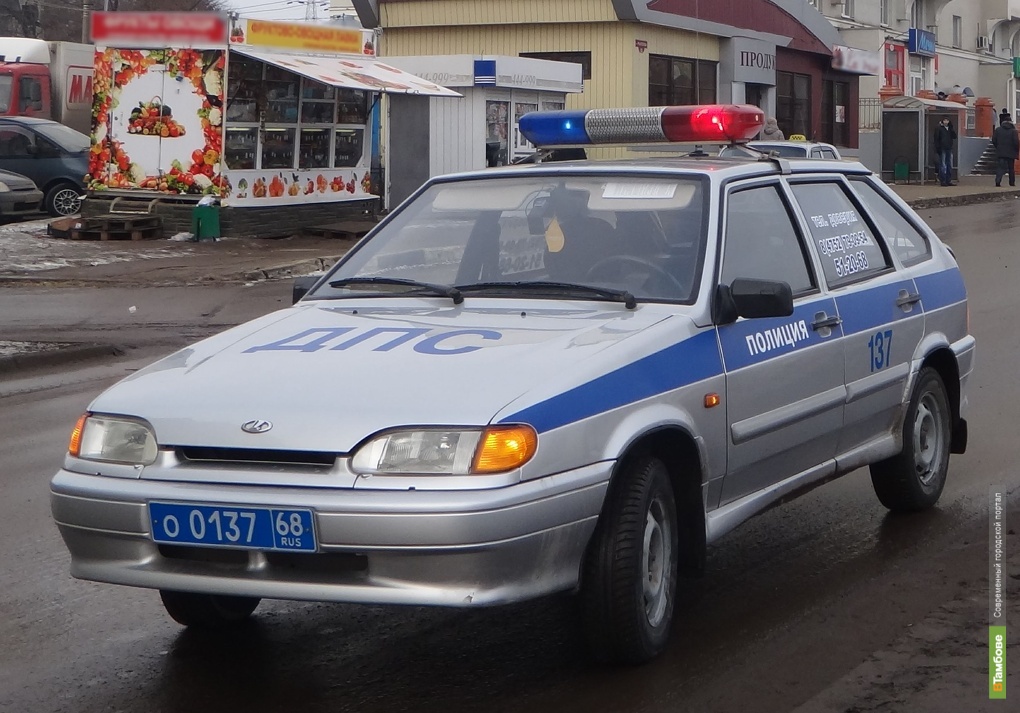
{"x":350,"y":230}
{"x":118,"y":227}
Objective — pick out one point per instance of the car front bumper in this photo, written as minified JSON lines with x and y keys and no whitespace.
{"x":450,"y":548}
{"x":13,"y":203}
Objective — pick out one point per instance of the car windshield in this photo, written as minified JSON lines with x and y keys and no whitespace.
{"x":6,"y":82}
{"x":64,"y":136}
{"x":620,"y":237}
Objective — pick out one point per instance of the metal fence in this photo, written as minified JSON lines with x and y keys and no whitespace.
{"x":870,"y":114}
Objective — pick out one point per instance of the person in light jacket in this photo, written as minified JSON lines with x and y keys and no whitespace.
{"x":1007,"y":149}
{"x":771,"y":132}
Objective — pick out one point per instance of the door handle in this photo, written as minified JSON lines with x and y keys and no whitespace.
{"x":907,"y":299}
{"x":824,"y":322}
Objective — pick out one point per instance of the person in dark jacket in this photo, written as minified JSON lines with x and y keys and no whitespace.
{"x":945,"y":135}
{"x":1007,"y":149}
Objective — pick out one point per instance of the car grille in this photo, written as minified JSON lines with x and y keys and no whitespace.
{"x":255,"y":456}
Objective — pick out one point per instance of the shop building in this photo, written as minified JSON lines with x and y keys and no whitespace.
{"x":776,"y":54}
{"x":474,"y":132}
{"x":268,"y":117}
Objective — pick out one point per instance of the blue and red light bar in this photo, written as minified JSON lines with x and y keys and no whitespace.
{"x":701,"y":124}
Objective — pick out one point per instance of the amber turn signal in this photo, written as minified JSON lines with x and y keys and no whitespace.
{"x":504,"y":448}
{"x":712,"y":400}
{"x":74,"y":447}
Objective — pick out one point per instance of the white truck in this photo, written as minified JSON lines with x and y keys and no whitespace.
{"x":52,"y":80}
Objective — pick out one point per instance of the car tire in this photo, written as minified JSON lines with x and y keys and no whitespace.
{"x":207,"y":611}
{"x":62,"y":200}
{"x":913,"y":480}
{"x":629,"y":580}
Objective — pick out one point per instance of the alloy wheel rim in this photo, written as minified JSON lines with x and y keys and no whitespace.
{"x":66,"y":201}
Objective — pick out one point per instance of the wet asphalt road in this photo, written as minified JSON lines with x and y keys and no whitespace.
{"x":791,"y":602}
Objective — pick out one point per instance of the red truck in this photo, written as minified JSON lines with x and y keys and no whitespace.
{"x":51,"y":80}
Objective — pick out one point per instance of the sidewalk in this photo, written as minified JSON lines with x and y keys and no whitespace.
{"x":969,"y":189}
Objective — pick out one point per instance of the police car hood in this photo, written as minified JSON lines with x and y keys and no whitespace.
{"x":327,"y":375}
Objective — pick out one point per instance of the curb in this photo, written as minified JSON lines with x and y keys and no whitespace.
{"x":968,"y":199}
{"x":63,"y":354}
{"x":289,"y":270}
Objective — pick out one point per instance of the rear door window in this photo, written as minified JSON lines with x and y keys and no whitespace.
{"x":844,"y":242}
{"x":910,"y":244}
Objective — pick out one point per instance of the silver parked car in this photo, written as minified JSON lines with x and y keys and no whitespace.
{"x":541,"y":378}
{"x":783,"y":149}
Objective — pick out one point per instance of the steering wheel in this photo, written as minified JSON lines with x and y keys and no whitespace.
{"x":651,"y":267}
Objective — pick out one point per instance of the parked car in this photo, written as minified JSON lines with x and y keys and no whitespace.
{"x":18,"y":195}
{"x":530,"y":379}
{"x":784,"y":149}
{"x":51,"y":154}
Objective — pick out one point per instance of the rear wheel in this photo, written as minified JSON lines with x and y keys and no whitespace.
{"x":63,"y":199}
{"x":913,"y":480}
{"x":630,"y":574}
{"x":207,"y":611}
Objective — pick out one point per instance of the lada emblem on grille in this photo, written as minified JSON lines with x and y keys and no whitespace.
{"x":256,"y":425}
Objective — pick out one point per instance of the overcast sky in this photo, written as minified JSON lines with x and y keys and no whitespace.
{"x":285,"y":9}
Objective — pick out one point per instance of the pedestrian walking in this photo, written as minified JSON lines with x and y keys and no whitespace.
{"x":1007,"y":149}
{"x":1004,"y":114}
{"x":945,"y":135}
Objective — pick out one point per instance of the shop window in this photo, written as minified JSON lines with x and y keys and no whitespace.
{"x":281,"y":96}
{"x":352,"y":107}
{"x":244,"y":90}
{"x":793,"y":103}
{"x":313,"y":151}
{"x":241,"y":147}
{"x":349,"y":146}
{"x":581,"y":58}
{"x":318,"y":102}
{"x":497,"y":115}
{"x":278,"y":148}
{"x":676,"y":81}
{"x":520,"y":109}
{"x":894,"y":63}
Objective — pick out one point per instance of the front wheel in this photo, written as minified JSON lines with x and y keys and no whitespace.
{"x":63,"y":199}
{"x":913,"y":480}
{"x":207,"y":611}
{"x":630,"y":573}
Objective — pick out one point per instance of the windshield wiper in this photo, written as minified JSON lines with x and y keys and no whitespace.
{"x":419,"y":287}
{"x":605,"y":293}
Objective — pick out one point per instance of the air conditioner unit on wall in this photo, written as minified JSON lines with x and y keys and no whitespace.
{"x":983,"y":43}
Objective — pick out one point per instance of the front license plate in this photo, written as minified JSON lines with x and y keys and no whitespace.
{"x":245,"y":527}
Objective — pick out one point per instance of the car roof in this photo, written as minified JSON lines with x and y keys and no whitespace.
{"x":805,"y":144}
{"x":714,"y":167}
{"x":27,"y":120}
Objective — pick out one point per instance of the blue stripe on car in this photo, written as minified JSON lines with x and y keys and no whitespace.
{"x":867,"y":309}
{"x":941,"y":289}
{"x":690,"y":361}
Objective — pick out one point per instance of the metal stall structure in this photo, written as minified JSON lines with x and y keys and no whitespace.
{"x":908,"y":129}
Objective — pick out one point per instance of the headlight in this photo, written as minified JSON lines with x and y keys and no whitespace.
{"x":495,"y":449}
{"x":4,"y":188}
{"x":113,"y":439}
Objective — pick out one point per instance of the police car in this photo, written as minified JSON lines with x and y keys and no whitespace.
{"x":540,"y":378}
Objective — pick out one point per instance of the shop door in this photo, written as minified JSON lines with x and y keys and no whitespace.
{"x":835,"y":129}
{"x":136,"y":125}
{"x":754,"y":94}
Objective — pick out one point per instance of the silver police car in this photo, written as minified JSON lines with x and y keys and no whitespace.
{"x":532,"y":379}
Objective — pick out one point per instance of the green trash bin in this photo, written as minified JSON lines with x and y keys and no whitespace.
{"x":901,"y":170}
{"x":205,"y":222}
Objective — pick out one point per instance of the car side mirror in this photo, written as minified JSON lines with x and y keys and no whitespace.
{"x":301,"y":287}
{"x":761,"y":298}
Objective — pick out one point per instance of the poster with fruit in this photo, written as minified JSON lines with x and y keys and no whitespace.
{"x":289,"y":187}
{"x":157,"y":121}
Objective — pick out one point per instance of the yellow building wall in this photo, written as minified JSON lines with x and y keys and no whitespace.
{"x":446,"y":13}
{"x":508,"y":27}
